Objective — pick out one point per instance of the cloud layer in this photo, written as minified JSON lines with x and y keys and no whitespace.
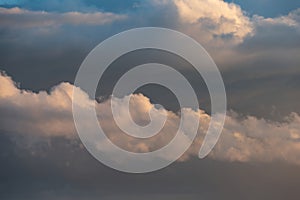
{"x":20,"y":18}
{"x":50,"y":115}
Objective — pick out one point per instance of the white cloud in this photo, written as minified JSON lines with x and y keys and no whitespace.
{"x":50,"y":115}
{"x":216,"y":17}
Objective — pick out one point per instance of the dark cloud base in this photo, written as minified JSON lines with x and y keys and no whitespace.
{"x":59,"y":168}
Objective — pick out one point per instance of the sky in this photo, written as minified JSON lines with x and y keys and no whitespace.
{"x":255,"y":45}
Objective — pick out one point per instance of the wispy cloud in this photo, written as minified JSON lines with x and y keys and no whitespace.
{"x":20,"y":18}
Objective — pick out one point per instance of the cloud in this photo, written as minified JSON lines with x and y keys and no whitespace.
{"x":262,"y":65}
{"x":255,"y":68}
{"x":270,"y":31}
{"x":243,"y":139}
{"x":219,"y":18}
{"x":36,"y":113}
{"x":288,"y":20}
{"x":261,"y":73}
{"x":21,"y":18}
{"x":253,"y":139}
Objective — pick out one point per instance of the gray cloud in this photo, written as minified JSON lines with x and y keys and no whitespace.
{"x":64,"y":171}
{"x":263,"y":71}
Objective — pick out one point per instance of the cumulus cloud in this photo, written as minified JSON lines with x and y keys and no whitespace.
{"x":21,"y":18}
{"x":214,"y":18}
{"x":50,"y":115}
{"x":260,"y":140}
{"x":36,"y":113}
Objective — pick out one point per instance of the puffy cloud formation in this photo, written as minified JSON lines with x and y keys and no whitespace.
{"x":17,"y":17}
{"x":50,"y":115}
{"x":260,"y":140}
{"x":36,"y":113}
{"x":219,"y":18}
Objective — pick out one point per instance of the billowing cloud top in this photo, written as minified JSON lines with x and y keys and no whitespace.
{"x":219,"y":17}
{"x":50,"y":115}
